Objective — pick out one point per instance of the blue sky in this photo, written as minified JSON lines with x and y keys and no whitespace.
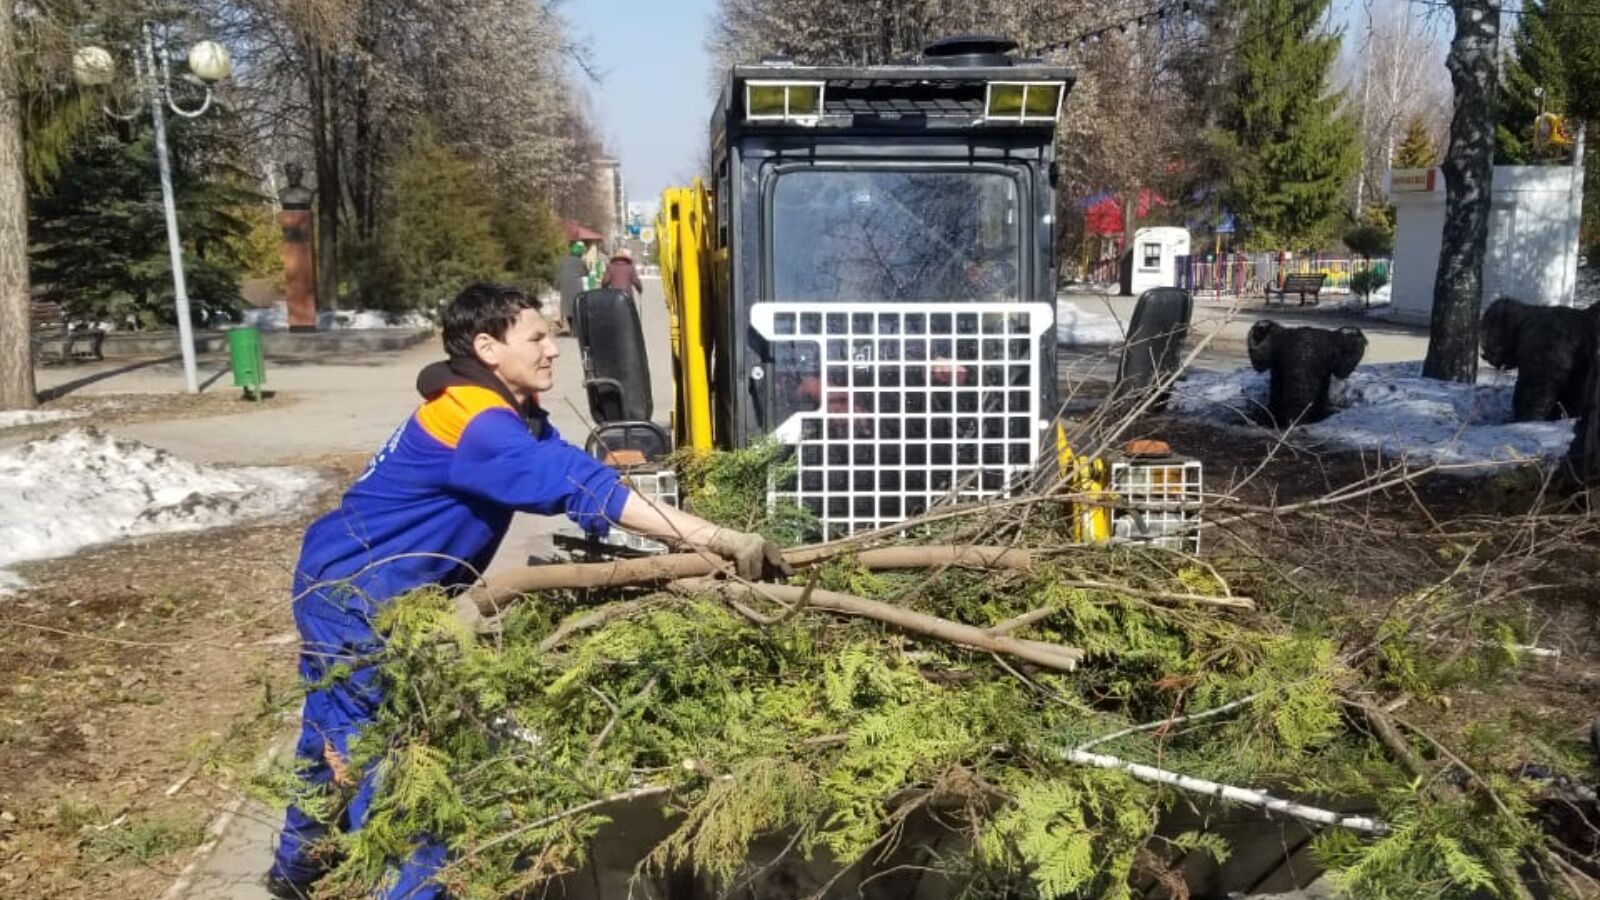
{"x":654,"y":97}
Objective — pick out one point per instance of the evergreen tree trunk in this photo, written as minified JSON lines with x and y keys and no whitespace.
{"x":16,"y":357}
{"x":318,"y":77}
{"x":1469,"y":177}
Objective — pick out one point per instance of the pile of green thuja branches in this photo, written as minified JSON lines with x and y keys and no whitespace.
{"x":1061,"y":721}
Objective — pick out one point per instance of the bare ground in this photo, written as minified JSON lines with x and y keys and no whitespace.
{"x":107,"y":410}
{"x":138,"y":679}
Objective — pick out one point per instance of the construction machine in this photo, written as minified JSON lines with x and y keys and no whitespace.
{"x":869,"y":277}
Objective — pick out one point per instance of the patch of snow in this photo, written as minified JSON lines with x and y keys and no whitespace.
{"x":84,"y":487}
{"x":1078,"y":327}
{"x":17,"y":418}
{"x":330,"y":320}
{"x":276,"y":318}
{"x":1379,"y":299}
{"x":1390,"y":407}
{"x":270,"y":318}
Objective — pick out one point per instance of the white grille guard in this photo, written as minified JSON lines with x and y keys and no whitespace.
{"x":893,"y":408}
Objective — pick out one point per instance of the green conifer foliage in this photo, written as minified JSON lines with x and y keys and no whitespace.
{"x":1535,"y":63}
{"x":440,"y":234}
{"x":1416,"y":151}
{"x":1290,"y":150}
{"x":98,"y":233}
{"x":675,"y":727}
{"x":532,"y":239}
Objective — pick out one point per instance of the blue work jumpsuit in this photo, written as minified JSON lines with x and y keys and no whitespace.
{"x":431,"y":508}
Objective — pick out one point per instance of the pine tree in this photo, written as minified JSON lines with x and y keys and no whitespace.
{"x":98,"y":242}
{"x":1534,"y":64}
{"x":1292,"y":150}
{"x":532,"y":239}
{"x":1416,"y":151}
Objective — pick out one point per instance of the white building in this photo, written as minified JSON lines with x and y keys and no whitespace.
{"x":1532,"y":253}
{"x":1155,"y":257}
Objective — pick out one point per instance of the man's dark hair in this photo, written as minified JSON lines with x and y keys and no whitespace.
{"x":482,"y":308}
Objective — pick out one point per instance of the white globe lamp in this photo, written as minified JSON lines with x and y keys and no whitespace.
{"x":93,"y":67}
{"x":209,"y":61}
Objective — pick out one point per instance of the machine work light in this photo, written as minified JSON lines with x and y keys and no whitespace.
{"x":1024,"y":101}
{"x":783,"y":101}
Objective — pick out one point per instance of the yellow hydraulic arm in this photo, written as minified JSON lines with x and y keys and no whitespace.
{"x":682,"y":228}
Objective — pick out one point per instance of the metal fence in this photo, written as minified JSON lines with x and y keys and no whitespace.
{"x":1245,"y":274}
{"x":1103,"y":271}
{"x":1239,"y":274}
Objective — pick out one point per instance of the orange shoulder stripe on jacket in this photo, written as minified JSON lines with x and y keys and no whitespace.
{"x":446,"y":416}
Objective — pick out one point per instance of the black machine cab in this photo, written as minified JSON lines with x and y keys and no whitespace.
{"x":871,"y":277}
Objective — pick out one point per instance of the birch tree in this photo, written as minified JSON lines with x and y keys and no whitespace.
{"x":1469,"y":179}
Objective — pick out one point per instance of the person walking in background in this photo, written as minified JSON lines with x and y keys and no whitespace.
{"x":570,"y":278}
{"x":621,"y":275}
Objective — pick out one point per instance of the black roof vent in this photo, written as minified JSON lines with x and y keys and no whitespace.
{"x":970,"y":50}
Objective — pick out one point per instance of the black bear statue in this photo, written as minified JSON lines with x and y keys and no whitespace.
{"x":1551,"y":347}
{"x":1303,"y":361}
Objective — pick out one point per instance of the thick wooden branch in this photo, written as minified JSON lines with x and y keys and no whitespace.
{"x":497,"y":590}
{"x":1051,"y":656}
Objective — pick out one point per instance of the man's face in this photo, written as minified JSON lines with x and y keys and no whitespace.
{"x":525,"y":359}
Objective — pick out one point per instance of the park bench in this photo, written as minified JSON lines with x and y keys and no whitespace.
{"x":48,"y":323}
{"x":1301,"y":283}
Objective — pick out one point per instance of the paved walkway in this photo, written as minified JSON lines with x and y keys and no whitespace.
{"x":1231,"y":318}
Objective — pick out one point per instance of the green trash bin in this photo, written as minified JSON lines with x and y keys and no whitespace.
{"x":249,"y":366}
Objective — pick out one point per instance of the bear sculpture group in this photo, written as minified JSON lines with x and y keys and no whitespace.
{"x":1551,"y":347}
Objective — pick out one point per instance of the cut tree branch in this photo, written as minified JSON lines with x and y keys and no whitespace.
{"x":1051,"y":656}
{"x":493,"y":592}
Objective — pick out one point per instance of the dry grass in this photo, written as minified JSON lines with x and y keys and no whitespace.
{"x":130,"y":667}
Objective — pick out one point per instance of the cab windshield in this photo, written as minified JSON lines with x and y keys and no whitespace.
{"x":883,"y":234}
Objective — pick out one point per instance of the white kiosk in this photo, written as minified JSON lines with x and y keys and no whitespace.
{"x":1532,"y":253}
{"x":1154,"y":261}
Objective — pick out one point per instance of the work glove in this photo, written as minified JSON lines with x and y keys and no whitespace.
{"x":754,"y":557}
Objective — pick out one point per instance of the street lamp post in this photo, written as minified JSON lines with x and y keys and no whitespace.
{"x":93,"y":68}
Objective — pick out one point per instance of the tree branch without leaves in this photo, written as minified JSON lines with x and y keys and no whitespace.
{"x":1051,"y":656}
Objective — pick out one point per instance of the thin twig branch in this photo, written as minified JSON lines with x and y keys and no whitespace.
{"x":1247,"y":796}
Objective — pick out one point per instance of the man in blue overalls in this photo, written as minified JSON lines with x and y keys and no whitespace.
{"x":431,"y":508}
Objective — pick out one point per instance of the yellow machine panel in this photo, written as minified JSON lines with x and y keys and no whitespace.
{"x":682,"y":229}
